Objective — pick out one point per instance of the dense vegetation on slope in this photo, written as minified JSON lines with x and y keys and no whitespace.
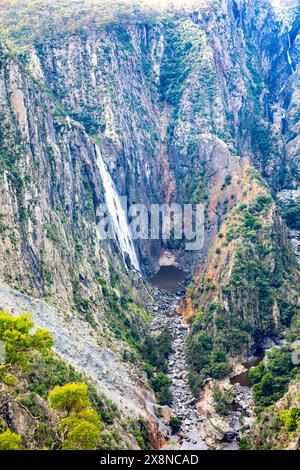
{"x":44,"y":403}
{"x":278,"y":427}
{"x":155,"y":351}
{"x":272,"y":377}
{"x":248,"y":290}
{"x":276,"y":392}
{"x":24,"y":22}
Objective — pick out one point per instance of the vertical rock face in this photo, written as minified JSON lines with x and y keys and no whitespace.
{"x":107,"y":80}
{"x":150,"y":91}
{"x":49,"y":245}
{"x":249,"y":285}
{"x":50,"y":186}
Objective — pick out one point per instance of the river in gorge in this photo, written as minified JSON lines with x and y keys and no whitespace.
{"x":169,"y":287}
{"x":243,"y":379}
{"x":169,"y":284}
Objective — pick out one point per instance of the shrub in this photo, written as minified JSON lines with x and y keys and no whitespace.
{"x":10,"y":441}
{"x":164,"y":396}
{"x":224,"y":400}
{"x":290,"y":419}
{"x":161,"y":386}
{"x":155,"y":350}
{"x":220,"y":323}
{"x":141,"y":434}
{"x":69,"y":397}
{"x":270,"y":379}
{"x":292,"y":216}
{"x":19,"y":342}
{"x":175,"y":424}
{"x":261,"y":202}
{"x":52,"y":233}
{"x":245,"y":443}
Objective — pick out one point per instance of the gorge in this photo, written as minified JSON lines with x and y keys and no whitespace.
{"x":152,"y":103}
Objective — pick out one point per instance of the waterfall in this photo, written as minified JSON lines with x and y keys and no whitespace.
{"x":117,"y":214}
{"x":289,"y":55}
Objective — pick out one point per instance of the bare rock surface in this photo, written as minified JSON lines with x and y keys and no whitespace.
{"x":76,"y":343}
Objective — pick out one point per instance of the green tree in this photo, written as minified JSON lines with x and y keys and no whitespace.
{"x":83,"y":436}
{"x":80,"y":429}
{"x":70,"y":397}
{"x":10,"y":441}
{"x":19,"y":342}
{"x":175,"y":424}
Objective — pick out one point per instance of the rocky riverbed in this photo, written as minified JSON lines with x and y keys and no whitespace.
{"x":202,"y":427}
{"x":184,"y":404}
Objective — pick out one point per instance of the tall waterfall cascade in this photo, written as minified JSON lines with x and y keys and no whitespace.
{"x":118,"y":220}
{"x":289,"y":55}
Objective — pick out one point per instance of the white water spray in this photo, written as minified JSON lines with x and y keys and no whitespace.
{"x":117,"y":214}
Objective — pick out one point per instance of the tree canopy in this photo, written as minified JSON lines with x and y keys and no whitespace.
{"x":19,"y":342}
{"x":23,"y":23}
{"x":70,"y":397}
{"x":81,"y":427}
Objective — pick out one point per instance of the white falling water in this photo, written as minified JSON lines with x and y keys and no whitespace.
{"x":289,"y":55}
{"x":117,"y":214}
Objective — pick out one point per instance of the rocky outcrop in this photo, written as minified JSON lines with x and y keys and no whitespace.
{"x":226,"y":287}
{"x":222,"y":430}
{"x":278,"y":428}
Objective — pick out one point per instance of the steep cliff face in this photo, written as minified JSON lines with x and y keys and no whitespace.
{"x":50,"y":246}
{"x":108,"y":81}
{"x":248,"y":289}
{"x":52,"y":219}
{"x":51,"y":189}
{"x":255,"y":60}
{"x":150,"y":87}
